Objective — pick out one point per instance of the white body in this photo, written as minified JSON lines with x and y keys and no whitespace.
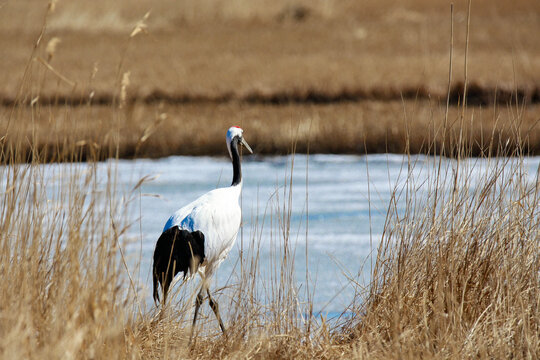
{"x":217,"y":215}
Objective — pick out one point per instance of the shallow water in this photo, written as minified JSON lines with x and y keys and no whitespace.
{"x":339,"y":204}
{"x":337,"y":211}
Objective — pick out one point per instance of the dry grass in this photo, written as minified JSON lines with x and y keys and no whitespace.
{"x":456,"y":273}
{"x":61,"y":285}
{"x":241,"y":49}
{"x":196,"y":129}
{"x":207,"y":65}
{"x":457,"y":269}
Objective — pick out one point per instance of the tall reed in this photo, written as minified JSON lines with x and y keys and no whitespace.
{"x":456,"y":273}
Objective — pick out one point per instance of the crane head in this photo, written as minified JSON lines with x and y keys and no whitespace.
{"x":233,"y":133}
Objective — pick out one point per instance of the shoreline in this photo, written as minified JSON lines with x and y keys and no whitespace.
{"x":369,"y":127}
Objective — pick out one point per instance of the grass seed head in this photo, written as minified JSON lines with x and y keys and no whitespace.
{"x":123,"y":89}
{"x":51,"y":47}
{"x":141,"y":26}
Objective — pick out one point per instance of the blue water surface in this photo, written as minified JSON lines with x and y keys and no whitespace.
{"x":337,"y":206}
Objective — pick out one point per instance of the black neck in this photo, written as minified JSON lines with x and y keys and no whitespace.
{"x":237,"y":168}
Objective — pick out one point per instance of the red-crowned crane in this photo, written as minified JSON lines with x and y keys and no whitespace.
{"x":199,"y":236}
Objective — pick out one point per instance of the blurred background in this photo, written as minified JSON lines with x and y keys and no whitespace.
{"x":236,"y":49}
{"x":271,"y":66}
{"x":434,"y":254}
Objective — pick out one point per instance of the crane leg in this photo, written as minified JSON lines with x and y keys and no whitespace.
{"x":198,"y":302}
{"x":215,"y":308}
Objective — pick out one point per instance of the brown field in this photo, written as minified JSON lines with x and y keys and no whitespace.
{"x":223,"y":62}
{"x":140,"y":130}
{"x":224,"y":49}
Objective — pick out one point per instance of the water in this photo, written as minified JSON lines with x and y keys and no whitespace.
{"x":338,"y":210}
{"x":339,"y":204}
{"x":331,"y":208}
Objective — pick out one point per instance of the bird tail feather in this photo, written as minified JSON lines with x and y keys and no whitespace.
{"x":156,"y":292}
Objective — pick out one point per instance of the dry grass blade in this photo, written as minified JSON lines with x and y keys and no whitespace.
{"x":141,"y":26}
{"x":55,"y":72}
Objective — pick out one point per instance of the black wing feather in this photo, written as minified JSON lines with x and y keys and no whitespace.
{"x":177,"y":250}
